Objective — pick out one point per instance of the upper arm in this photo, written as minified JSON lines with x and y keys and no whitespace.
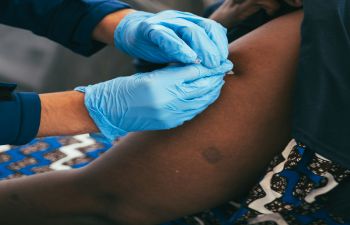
{"x":157,"y":176}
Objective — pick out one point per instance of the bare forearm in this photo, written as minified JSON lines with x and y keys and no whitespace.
{"x":64,"y":113}
{"x":104,"y":31}
{"x":48,"y":199}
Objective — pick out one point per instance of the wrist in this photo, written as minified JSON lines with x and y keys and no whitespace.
{"x":64,"y":114}
{"x":104,"y":31}
{"x":101,"y":120}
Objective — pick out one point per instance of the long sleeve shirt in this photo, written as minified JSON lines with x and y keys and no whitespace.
{"x":68,"y":22}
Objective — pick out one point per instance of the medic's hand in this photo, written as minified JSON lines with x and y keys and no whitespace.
{"x":172,"y":36}
{"x":158,"y":100}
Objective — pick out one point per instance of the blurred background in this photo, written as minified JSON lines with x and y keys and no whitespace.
{"x":38,"y":64}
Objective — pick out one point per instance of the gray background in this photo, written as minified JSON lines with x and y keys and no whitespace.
{"x":38,"y":64}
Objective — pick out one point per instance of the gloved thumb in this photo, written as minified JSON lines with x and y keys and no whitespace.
{"x":201,"y":71}
{"x":172,"y":45}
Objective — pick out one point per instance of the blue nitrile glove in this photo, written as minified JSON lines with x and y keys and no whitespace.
{"x":172,"y":36}
{"x":158,"y":100}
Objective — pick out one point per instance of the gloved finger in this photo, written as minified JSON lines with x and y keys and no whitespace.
{"x":171,"y":44}
{"x":208,"y":99}
{"x":190,"y":114}
{"x":215,"y":31}
{"x":197,"y":38}
{"x":218,"y":34}
{"x":200,"y":102}
{"x":197,"y":71}
{"x":200,"y":87}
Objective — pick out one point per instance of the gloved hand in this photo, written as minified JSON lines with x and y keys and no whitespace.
{"x":172,"y":36}
{"x":158,"y":100}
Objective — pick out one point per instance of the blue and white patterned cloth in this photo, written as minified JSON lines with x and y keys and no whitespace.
{"x":293,"y":191}
{"x":49,"y":154}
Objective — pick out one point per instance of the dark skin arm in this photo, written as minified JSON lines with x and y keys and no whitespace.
{"x":152,"y":177}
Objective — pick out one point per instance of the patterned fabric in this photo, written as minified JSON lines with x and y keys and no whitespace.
{"x":49,"y":154}
{"x":293,"y":191}
{"x":218,"y":216}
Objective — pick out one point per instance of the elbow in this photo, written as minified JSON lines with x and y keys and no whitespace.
{"x":111,"y":205}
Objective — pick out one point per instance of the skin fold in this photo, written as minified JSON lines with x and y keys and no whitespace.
{"x":232,"y":12}
{"x":153,"y":177}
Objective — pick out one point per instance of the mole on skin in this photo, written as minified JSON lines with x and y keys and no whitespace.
{"x":212,"y":155}
{"x":15,"y":198}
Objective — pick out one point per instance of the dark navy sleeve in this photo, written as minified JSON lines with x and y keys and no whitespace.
{"x":321,"y":118}
{"x":19,"y":115}
{"x":68,"y":22}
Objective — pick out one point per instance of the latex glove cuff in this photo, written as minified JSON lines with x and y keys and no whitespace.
{"x":110,"y":131}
